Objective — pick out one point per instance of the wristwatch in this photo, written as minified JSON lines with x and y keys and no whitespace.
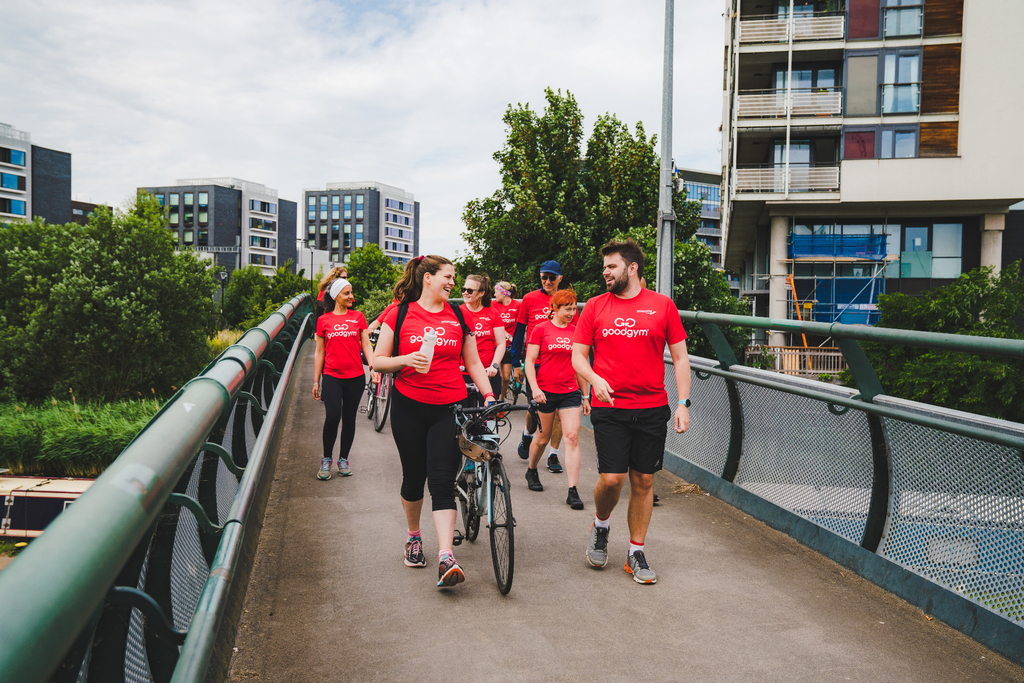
{"x":685,"y":402}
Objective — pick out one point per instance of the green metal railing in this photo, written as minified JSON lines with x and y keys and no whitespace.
{"x":924,"y":501}
{"x":99,"y":595}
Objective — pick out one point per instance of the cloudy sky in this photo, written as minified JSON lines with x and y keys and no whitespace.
{"x":298,"y":93}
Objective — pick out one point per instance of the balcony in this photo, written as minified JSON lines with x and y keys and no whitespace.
{"x":838,"y":246}
{"x":709,"y":232}
{"x":771,"y":104}
{"x":707,"y":211}
{"x":806,"y":26}
{"x":802,"y":178}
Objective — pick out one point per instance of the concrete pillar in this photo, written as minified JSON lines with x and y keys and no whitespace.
{"x":778,"y":269}
{"x":992,"y":226}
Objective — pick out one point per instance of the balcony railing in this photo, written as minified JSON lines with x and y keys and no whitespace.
{"x":768,"y":104}
{"x":709,"y":232}
{"x":846,"y":246}
{"x":802,"y":178}
{"x":807,"y":26}
{"x":801,"y":361}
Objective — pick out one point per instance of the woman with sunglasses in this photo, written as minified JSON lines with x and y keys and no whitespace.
{"x":485,"y":322}
{"x":508,"y":310}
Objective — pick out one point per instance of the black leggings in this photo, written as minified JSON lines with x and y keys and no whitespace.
{"x":341,"y":398}
{"x":425,"y":437}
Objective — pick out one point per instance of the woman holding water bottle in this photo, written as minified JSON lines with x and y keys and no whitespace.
{"x":422,"y":340}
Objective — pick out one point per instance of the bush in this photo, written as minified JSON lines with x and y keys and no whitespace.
{"x":374,"y":303}
{"x":250,"y":296}
{"x":108,"y":308}
{"x":222,"y":340}
{"x":66,"y":439}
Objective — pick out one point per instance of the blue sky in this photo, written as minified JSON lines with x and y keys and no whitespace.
{"x":299,"y":93}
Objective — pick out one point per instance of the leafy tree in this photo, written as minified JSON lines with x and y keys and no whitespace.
{"x":286,"y":284}
{"x":557,"y":202}
{"x":108,"y":309}
{"x":374,"y":303}
{"x":370,"y":269}
{"x":246,"y":295}
{"x":978,"y":303}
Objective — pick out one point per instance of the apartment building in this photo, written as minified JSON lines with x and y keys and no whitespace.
{"x":866,"y":148}
{"x":343,"y":217}
{"x":234,"y":222}
{"x":35,"y":182}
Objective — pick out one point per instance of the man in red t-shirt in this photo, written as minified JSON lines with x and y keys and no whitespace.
{"x":533,"y":310}
{"x":628,"y":329}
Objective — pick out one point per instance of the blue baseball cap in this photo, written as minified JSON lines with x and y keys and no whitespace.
{"x":551,"y":267}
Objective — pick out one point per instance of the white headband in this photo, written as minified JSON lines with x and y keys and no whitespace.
{"x":338,"y":285}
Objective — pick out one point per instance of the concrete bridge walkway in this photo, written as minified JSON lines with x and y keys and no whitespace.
{"x":330,"y":599}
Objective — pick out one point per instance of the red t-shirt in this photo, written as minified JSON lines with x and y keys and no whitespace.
{"x":534,"y":309}
{"x":508,"y":313}
{"x":555,"y":373}
{"x":443,"y":383}
{"x":483,"y":323}
{"x":629,"y":337}
{"x":341,"y":335}
{"x":387,"y":309}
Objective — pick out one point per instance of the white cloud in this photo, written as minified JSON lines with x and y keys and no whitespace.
{"x":299,"y":93}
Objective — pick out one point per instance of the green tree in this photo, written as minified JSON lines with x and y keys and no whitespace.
{"x":557,"y":202}
{"x":246,"y":295}
{"x":286,"y":284}
{"x":374,"y":303}
{"x":370,"y":269}
{"x":978,"y":303}
{"x":112,"y":311}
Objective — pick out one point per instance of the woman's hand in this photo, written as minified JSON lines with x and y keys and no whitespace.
{"x":374,"y":377}
{"x":491,"y":371}
{"x":316,"y":391}
{"x":539,"y":397}
{"x":416,"y":360}
{"x":586,"y":406}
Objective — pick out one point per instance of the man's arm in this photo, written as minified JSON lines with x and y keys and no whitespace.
{"x":581,"y":364}
{"x":517,"y":343}
{"x":681,"y":365}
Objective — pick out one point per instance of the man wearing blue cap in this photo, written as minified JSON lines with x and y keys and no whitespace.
{"x":535,"y":309}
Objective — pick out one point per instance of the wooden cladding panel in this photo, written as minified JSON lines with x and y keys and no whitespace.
{"x":944,"y":17}
{"x":939,"y":139}
{"x":940,"y":79}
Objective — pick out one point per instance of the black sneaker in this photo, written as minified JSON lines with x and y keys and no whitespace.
{"x":554,"y":466}
{"x":656,"y":499}
{"x":524,"y":446}
{"x":533,"y":480}
{"x":573,"y":499}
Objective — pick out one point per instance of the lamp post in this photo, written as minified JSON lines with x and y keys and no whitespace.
{"x":666,"y":215}
{"x":222,"y":276}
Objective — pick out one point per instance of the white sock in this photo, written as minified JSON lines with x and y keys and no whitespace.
{"x":526,"y":434}
{"x":602,"y":523}
{"x":633,"y":547}
{"x":552,"y":451}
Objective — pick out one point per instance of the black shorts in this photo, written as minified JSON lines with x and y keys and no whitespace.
{"x":573,"y":399}
{"x":507,"y":358}
{"x":630,"y":438}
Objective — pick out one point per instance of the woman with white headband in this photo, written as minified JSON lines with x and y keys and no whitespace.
{"x":338,"y":378}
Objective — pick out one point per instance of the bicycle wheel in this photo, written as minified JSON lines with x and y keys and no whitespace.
{"x":371,"y":400}
{"x":470,"y":513}
{"x":502,"y":524}
{"x":380,"y":415}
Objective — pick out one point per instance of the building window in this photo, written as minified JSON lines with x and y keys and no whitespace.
{"x":12,"y":181}
{"x":335,"y":207}
{"x":189,"y":202}
{"x":902,"y":18}
{"x":359,"y":207}
{"x":204,"y":208}
{"x":12,"y":206}
{"x":901,"y":82}
{"x":859,"y":144}
{"x":172,"y":214}
{"x":348,"y":236}
{"x":186,"y":238}
{"x":312,"y":228}
{"x":262,"y":259}
{"x":862,"y":85}
{"x":348,"y":207}
{"x":15,"y":157}
{"x":159,"y":199}
{"x":323,"y":208}
{"x":334,"y":244}
{"x":312,"y":209}
{"x":262,"y":224}
{"x":204,"y":238}
{"x":323,"y":228}
{"x":359,"y":235}
{"x":898,"y":143}
{"x":265,"y":207}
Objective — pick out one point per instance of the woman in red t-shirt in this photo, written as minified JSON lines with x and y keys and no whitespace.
{"x":332,"y":275}
{"x":338,"y":378}
{"x":422,"y":419}
{"x":556,"y":386}
{"x":488,"y":330}
{"x":508,"y":309}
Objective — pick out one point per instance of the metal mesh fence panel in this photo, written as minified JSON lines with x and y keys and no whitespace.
{"x":136,"y":664}
{"x":189,"y":570}
{"x":806,"y":459}
{"x":957,"y":515}
{"x":706,"y":442}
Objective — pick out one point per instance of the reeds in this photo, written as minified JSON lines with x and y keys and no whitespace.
{"x":68,"y":439}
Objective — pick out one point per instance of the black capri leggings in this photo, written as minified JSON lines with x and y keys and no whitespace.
{"x":341,"y":398}
{"x":425,"y":437}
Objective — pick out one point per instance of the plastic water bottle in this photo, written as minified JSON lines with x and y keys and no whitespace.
{"x":427,"y":348}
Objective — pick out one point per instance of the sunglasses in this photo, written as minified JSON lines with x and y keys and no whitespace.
{"x":548,"y":276}
{"x":467,"y":290}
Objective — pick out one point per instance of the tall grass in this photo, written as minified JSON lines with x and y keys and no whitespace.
{"x":65,"y":439}
{"x":223,"y":340}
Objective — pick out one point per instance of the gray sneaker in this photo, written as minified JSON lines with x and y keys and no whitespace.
{"x":325,"y":469}
{"x":636,"y":564}
{"x":597,"y":549}
{"x":343,"y":470}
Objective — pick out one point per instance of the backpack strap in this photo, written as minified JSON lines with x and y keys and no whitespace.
{"x":403,"y":310}
{"x":461,"y":318}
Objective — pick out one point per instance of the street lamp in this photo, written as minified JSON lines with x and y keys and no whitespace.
{"x":222,"y":276}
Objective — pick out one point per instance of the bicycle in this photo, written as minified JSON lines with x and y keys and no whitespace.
{"x":515,"y":387}
{"x":483,"y":488}
{"x":382,"y":401}
{"x":371,"y":386}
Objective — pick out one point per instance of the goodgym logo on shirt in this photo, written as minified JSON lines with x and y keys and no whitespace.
{"x":624,"y":327}
{"x":341,"y":330}
{"x":561,"y":343}
{"x":439,"y":331}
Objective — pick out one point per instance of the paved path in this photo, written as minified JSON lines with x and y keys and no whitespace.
{"x":330,"y":599}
